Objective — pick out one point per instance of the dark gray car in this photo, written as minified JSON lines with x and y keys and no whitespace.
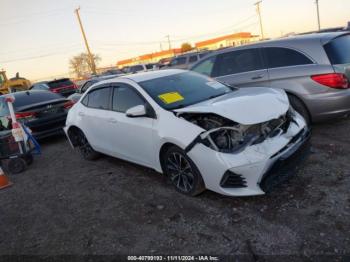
{"x":313,"y":69}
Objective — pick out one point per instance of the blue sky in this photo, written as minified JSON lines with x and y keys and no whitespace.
{"x":39,"y":36}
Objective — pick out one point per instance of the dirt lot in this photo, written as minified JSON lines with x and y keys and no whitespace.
{"x":64,"y":205}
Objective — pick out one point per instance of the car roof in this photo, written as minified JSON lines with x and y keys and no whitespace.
{"x":144,"y":76}
{"x":322,"y":38}
{"x":307,"y":44}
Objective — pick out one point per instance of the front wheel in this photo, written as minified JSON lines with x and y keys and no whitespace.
{"x":182,"y":172}
{"x":86,"y":151}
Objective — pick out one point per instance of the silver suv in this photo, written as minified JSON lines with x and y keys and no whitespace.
{"x":313,"y":69}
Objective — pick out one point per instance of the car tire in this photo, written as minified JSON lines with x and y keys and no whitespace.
{"x":182,"y":172}
{"x":15,"y":165}
{"x":300,"y":107}
{"x":86,"y":150}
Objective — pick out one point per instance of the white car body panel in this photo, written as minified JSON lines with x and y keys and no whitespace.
{"x":256,"y":108}
{"x":142,"y":138}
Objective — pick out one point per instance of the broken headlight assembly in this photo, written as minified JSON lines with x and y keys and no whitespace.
{"x":224,"y":135}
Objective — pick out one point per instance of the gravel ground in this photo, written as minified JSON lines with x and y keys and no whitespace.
{"x":65,"y":205}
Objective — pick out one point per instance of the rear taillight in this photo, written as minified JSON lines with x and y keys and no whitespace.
{"x":75,"y":86}
{"x":68,"y":104}
{"x":25,"y":115}
{"x":334,"y":80}
{"x":55,"y":90}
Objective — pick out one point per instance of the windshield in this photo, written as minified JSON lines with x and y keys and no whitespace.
{"x":183,"y":89}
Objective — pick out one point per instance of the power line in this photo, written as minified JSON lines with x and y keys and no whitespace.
{"x":38,"y":56}
{"x":25,"y":18}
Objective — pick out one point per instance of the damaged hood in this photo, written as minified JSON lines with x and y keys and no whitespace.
{"x":246,"y":106}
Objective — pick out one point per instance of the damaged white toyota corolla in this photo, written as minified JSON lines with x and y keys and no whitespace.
{"x":201,"y":133}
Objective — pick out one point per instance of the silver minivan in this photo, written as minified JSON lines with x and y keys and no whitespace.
{"x":313,"y":69}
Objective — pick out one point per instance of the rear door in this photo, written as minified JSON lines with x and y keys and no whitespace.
{"x":241,"y":68}
{"x":95,"y":117}
{"x":291,"y":69}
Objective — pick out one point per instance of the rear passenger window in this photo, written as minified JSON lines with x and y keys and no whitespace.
{"x":338,"y":50}
{"x":178,"y":61}
{"x":281,"y":57}
{"x":98,"y":98}
{"x":238,"y":62}
{"x":193,"y":59}
{"x":205,"y":67}
{"x":124,"y":98}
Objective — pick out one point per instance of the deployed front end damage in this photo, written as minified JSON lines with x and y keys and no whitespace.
{"x":245,"y":159}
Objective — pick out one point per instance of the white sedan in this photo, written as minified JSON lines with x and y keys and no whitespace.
{"x":201,"y":133}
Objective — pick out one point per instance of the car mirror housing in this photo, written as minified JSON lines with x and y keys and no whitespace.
{"x":136,"y":111}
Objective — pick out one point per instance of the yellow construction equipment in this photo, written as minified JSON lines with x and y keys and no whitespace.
{"x":12,"y":85}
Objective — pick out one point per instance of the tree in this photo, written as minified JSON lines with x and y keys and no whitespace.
{"x":185,"y":47}
{"x":80,"y":64}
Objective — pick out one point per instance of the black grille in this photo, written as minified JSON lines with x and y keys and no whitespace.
{"x":232,"y":180}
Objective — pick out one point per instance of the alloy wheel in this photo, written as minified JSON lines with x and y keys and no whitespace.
{"x":180,"y":172}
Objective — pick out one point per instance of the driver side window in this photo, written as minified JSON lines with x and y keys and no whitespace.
{"x":125,"y":97}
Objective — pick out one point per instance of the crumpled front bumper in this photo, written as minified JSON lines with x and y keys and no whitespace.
{"x":260,"y":166}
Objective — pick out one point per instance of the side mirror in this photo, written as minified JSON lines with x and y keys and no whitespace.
{"x":136,"y":111}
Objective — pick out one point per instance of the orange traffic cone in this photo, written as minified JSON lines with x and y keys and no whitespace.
{"x":4,"y":181}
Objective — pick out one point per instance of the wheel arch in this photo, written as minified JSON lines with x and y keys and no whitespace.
{"x":164,"y":147}
{"x":301,"y":100}
{"x":72,"y":133}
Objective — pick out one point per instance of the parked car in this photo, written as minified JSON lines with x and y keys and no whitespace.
{"x":199,"y":132}
{"x":313,"y":70}
{"x":62,"y":86}
{"x":76,"y":96}
{"x":186,"y":60}
{"x":164,"y":62}
{"x":112,"y":72}
{"x":42,"y":111}
{"x":140,"y":68}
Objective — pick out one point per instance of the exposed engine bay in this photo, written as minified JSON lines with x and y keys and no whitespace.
{"x":227,"y":136}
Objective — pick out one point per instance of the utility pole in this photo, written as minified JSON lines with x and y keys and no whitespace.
{"x":167,"y":36}
{"x":318,"y":15}
{"x":257,"y":4}
{"x":92,"y":61}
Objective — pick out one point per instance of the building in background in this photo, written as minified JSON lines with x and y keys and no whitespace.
{"x":227,"y":41}
{"x":149,"y":58}
{"x":236,"y":39}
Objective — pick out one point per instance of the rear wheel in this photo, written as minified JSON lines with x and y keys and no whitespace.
{"x":182,"y":172}
{"x":300,"y":107}
{"x":15,"y":165}
{"x":85,"y":148}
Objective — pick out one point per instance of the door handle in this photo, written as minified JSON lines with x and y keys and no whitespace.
{"x":257,"y":77}
{"x":81,"y":114}
{"x":112,"y":120}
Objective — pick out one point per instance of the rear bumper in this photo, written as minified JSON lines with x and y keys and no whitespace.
{"x":329,"y":105}
{"x":47,"y":127}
